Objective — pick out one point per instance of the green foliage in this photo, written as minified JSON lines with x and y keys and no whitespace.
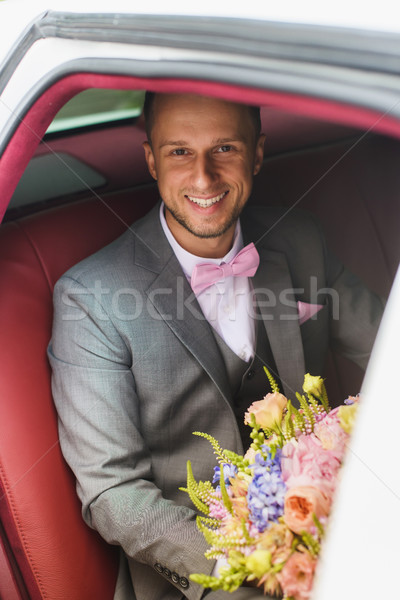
{"x":257,"y":435}
{"x":210,"y":535}
{"x":198,"y":492}
{"x":324,"y":399}
{"x":313,"y":402}
{"x":225,"y":497}
{"x":311,"y":543}
{"x":195,"y":489}
{"x":295,"y":416}
{"x":218,"y":451}
{"x":307,"y":412}
{"x":318,"y":525}
{"x":238,"y":461}
{"x":218,"y":542}
{"x":231,"y":577}
{"x":287,"y":426}
{"x":209,"y":522}
{"x":229,"y":582}
{"x":272,"y":382}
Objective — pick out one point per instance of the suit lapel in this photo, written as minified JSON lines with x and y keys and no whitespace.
{"x":175,"y":302}
{"x":172,"y":297}
{"x":277,"y":304}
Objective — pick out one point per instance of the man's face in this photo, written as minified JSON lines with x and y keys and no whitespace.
{"x":203,"y":154}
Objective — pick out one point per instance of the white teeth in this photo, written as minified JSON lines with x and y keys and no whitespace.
{"x":206,"y":203}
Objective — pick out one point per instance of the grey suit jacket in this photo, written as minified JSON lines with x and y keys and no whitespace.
{"x":136,"y":370}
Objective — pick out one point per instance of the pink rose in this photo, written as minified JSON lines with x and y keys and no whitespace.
{"x":267,"y":411}
{"x":296,"y":577}
{"x":300,"y":505}
{"x":306,"y":463}
{"x":332,"y":435}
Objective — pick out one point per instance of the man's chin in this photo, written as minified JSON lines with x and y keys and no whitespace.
{"x":205,"y":231}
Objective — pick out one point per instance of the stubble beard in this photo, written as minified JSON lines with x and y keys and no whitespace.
{"x":207,"y":234}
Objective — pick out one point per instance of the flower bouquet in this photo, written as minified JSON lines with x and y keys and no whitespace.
{"x":267,"y":510}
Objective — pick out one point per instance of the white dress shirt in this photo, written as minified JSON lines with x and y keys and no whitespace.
{"x":227,"y":305}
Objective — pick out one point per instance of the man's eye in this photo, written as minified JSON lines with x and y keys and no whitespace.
{"x":225,"y":148}
{"x":179,"y":152}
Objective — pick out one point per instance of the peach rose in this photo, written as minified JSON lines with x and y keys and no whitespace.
{"x":278,"y":540}
{"x":250,"y":455}
{"x":300,"y":504}
{"x":267,"y":411}
{"x":296,"y":577}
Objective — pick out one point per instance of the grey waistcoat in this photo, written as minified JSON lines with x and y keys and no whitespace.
{"x":248,"y":380}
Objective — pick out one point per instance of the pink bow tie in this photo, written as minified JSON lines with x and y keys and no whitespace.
{"x":245,"y":264}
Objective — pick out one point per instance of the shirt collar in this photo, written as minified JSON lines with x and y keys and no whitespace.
{"x":187,"y":260}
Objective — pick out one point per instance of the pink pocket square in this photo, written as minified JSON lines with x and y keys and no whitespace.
{"x":306,"y":311}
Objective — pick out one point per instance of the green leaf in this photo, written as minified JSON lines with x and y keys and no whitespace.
{"x":272,"y":382}
{"x":193,"y":491}
{"x":225,"y":497}
{"x":218,"y":451}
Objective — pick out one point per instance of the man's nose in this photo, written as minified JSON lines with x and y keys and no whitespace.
{"x":204,"y":172}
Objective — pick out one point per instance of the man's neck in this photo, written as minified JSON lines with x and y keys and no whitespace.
{"x":213,"y":247}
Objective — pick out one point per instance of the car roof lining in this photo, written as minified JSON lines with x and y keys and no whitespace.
{"x":33,"y":126}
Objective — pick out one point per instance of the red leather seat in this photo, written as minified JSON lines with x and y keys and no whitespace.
{"x":46,"y":550}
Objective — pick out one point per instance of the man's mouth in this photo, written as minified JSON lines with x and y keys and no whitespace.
{"x":206,"y":203}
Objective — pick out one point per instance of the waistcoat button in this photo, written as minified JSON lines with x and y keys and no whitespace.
{"x":251,"y":374}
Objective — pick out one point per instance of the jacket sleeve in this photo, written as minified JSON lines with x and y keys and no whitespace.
{"x":355,"y":311}
{"x":100,"y":435}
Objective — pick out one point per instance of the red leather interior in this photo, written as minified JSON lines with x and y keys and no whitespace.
{"x":46,"y":545}
{"x":57,"y":556}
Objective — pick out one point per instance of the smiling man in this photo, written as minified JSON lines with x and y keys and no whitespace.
{"x":205,"y":174}
{"x":166,"y":331}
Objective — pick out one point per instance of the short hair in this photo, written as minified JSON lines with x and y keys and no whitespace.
{"x":149,"y":115}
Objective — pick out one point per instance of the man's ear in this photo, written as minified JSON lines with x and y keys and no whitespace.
{"x":148,"y":153}
{"x":259,"y":154}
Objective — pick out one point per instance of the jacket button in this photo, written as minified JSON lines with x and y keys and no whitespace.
{"x":183,"y":582}
{"x":158,"y":568}
{"x":251,"y":374}
{"x":167,"y":572}
{"x":175,"y":577}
